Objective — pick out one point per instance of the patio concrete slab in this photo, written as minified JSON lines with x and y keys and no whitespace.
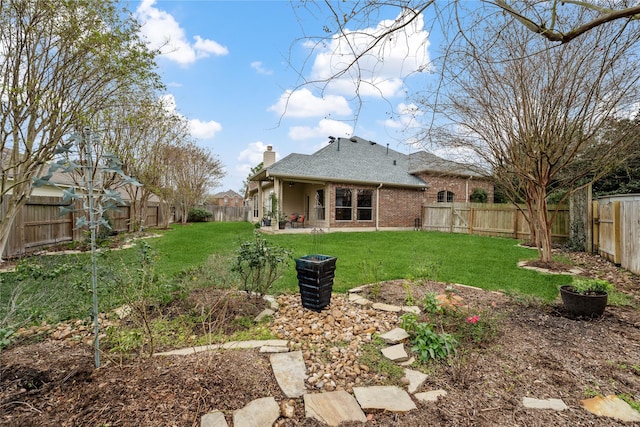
{"x":395,"y":336}
{"x":611,"y":406}
{"x":555,"y":404}
{"x":213,"y":419}
{"x":395,"y":353}
{"x":415,"y":378}
{"x":430,"y":396}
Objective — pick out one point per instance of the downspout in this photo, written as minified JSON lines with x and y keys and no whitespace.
{"x":378,"y":207}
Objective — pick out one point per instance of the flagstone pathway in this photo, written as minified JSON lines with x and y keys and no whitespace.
{"x":335,"y":407}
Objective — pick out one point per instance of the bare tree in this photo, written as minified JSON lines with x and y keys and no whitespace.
{"x":536,"y":115}
{"x":347,"y":27}
{"x":60,"y":62}
{"x":194,"y":170}
{"x":137,"y":129}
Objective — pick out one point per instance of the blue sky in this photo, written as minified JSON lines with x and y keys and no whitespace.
{"x":229,"y":67}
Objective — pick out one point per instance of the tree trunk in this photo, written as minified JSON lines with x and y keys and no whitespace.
{"x":544,"y":228}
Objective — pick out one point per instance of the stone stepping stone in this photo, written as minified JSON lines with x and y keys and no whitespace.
{"x":415,"y":378}
{"x":395,"y":353}
{"x":258,"y":413}
{"x":387,"y":307}
{"x":555,"y":404}
{"x":274,"y":349}
{"x":213,"y":419}
{"x":290,"y":372}
{"x":430,"y":396}
{"x":388,"y":398}
{"x":395,"y":336}
{"x":611,"y":406}
{"x":408,"y":362}
{"x":411,"y":309}
{"x":360,"y":300}
{"x":333,"y":408}
{"x":267,"y":312}
{"x":225,"y":346}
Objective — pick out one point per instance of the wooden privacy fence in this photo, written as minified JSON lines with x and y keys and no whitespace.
{"x":229,"y":213}
{"x":488,"y":220}
{"x":40,"y":224}
{"x":616,"y":231}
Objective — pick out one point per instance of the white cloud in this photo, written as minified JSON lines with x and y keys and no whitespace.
{"x":406,"y":118}
{"x":198,"y":128}
{"x":379,"y":71}
{"x":163,"y":32}
{"x":303,"y":103}
{"x":259,"y":67}
{"x":250,"y":157}
{"x":324,"y":129}
{"x":204,"y":130}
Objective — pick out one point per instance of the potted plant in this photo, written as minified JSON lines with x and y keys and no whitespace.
{"x":282,"y":220}
{"x":585,"y":296}
{"x":315,"y":278}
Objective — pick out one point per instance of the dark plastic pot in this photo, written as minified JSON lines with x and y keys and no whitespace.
{"x":585,"y":305}
{"x":315,"y":279}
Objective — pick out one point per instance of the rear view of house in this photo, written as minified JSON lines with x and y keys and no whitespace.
{"x":355,"y":183}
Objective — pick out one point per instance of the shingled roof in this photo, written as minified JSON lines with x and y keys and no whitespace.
{"x":349,"y":160}
{"x":421,"y":161}
{"x":356,"y":160}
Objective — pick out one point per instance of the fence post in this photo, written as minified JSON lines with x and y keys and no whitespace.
{"x":595,"y":246}
{"x":617,"y":256}
{"x":451,"y":218}
{"x":470,"y":219}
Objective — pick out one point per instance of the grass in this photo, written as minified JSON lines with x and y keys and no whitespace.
{"x":485,"y":262}
{"x":55,"y":288}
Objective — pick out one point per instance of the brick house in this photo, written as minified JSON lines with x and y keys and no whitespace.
{"x":227,"y":198}
{"x":355,"y":183}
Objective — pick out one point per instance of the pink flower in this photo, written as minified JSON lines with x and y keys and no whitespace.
{"x":473,"y":319}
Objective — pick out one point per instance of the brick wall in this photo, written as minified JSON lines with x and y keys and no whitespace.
{"x":461,"y":187}
{"x":398,"y":206}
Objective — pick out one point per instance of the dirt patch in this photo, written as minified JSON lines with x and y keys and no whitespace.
{"x":539,"y":353}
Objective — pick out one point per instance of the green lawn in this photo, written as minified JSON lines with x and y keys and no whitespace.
{"x":486,"y":262}
{"x":58,"y":287}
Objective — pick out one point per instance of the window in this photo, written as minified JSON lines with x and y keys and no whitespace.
{"x":445,"y":196}
{"x":344,"y":203}
{"x":365,"y":205}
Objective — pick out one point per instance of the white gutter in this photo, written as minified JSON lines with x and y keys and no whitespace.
{"x":378,"y":207}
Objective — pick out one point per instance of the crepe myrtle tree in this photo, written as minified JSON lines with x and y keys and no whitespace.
{"x":61,"y":61}
{"x":99,"y":176}
{"x":538,"y":116}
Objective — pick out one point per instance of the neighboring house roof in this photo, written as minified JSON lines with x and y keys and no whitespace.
{"x":347,"y":160}
{"x":229,"y":193}
{"x":422,"y":161}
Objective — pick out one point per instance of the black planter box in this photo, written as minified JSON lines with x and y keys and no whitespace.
{"x":583,"y":305}
{"x":315,"y":279}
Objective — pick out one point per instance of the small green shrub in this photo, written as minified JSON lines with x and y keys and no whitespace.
{"x":430,"y":345}
{"x":199,"y":215}
{"x":430,"y":304}
{"x":259,"y":264}
{"x":583,"y":285}
{"x":478,"y":196}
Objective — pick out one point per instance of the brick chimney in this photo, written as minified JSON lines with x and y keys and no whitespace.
{"x":269,"y":157}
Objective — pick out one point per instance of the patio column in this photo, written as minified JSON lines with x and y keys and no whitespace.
{"x":277,"y":189}
{"x":260,"y":203}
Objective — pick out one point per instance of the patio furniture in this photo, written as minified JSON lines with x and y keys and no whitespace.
{"x":298,"y":221}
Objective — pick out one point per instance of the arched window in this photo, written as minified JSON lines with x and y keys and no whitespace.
{"x":445,"y":196}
